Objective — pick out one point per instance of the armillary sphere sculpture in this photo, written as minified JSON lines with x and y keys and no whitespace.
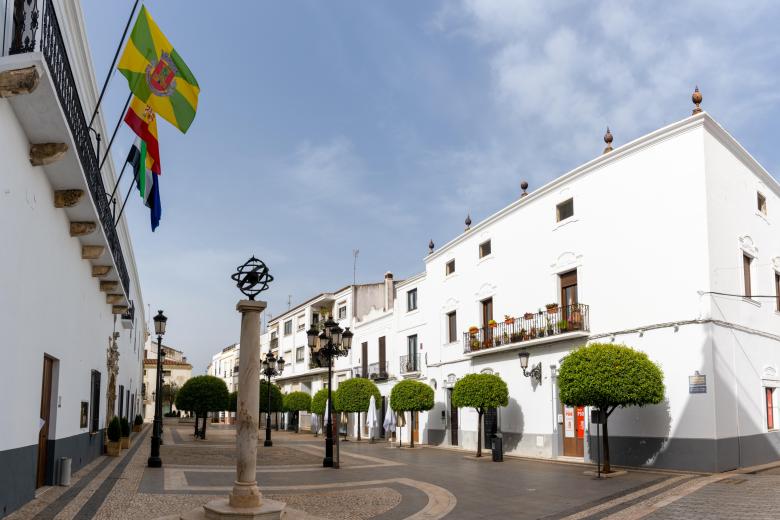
{"x":252,"y":277}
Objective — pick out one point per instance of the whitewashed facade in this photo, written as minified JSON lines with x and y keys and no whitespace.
{"x":654,"y":245}
{"x":69,"y":286}
{"x":176,"y":371}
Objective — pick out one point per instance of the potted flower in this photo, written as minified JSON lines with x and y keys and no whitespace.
{"x":138,"y":423}
{"x":473,"y":330}
{"x":508,"y":320}
{"x":124,"y":426}
{"x":575,"y":320}
{"x":487,"y":343}
{"x":532,"y":333}
{"x":492,"y":324}
{"x":474,"y":344}
{"x":563,"y":325}
{"x":516,"y":337}
{"x":528,"y":316}
{"x":552,"y":308}
{"x":114,"y":436}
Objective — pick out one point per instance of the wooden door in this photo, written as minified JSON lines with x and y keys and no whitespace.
{"x":568,"y":293}
{"x":573,"y":431}
{"x":382,"y":359}
{"x":43,"y":433}
{"x":381,"y":418}
{"x":453,"y":422}
{"x":416,"y":427}
{"x":364,"y":359}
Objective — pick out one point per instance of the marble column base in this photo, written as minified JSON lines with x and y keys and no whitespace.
{"x":222,"y":510}
{"x":245,"y":494}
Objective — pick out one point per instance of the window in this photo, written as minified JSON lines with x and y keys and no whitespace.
{"x":484,"y":249}
{"x":411,"y":300}
{"x":94,"y":404}
{"x":315,"y":318}
{"x":777,"y":292}
{"x":487,"y":311}
{"x":564,"y":210}
{"x":449,"y":268}
{"x":301,"y":322}
{"x":772,"y":404}
{"x":288,"y":327}
{"x":452,"y":327}
{"x":299,"y":355}
{"x":761,"y":203}
{"x":746,"y":261}
{"x":343,"y":312}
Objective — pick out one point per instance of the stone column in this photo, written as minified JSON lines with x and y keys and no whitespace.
{"x":245,"y":500}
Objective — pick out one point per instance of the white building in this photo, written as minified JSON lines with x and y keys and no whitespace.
{"x":71,"y":303}
{"x":176,"y":372}
{"x":224,"y":365}
{"x":667,"y":244}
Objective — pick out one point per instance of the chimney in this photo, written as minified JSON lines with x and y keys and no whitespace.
{"x":389,"y":291}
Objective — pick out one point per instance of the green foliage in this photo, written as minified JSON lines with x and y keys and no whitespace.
{"x":481,"y":392}
{"x":411,"y":396}
{"x":354,"y":395}
{"x":203,"y":394}
{"x":608,"y":375}
{"x":232,"y":400}
{"x":114,"y":430}
{"x":124,"y":426}
{"x":297,"y":402}
{"x":138,"y":420}
{"x":319,"y":401}
{"x":169,"y":392}
{"x":276,"y":397}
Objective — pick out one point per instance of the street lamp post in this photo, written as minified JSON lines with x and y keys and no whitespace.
{"x":332,"y":342}
{"x":271,"y":367}
{"x":154,"y":460}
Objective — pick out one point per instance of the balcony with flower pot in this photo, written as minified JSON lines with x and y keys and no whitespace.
{"x":556,"y":323}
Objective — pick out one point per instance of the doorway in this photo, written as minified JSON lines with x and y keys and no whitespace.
{"x":43,"y":433}
{"x":381,"y":418}
{"x":453,"y":421}
{"x":490,"y":426}
{"x":573,"y":431}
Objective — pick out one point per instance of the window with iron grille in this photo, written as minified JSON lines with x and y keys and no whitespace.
{"x":94,"y":404}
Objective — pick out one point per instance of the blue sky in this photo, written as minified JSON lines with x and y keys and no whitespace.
{"x":328,"y":126}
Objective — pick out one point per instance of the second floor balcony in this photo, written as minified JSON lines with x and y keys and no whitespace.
{"x":411,"y":363}
{"x":556,"y":323}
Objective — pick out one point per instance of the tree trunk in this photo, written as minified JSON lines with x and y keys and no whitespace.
{"x":411,"y":430}
{"x":605,"y":437}
{"x":479,"y":433}
{"x":277,"y":421}
{"x":297,"y":422}
{"x":196,"y":425}
{"x":203,"y":431}
{"x":358,"y":425}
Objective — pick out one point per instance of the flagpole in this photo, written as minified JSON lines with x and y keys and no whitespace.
{"x":132,"y":186}
{"x":113,"y":63}
{"x":116,"y":129}
{"x":113,"y":192}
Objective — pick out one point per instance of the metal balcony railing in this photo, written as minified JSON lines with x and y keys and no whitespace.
{"x":358,"y":372}
{"x":378,"y":371}
{"x":411,"y":363}
{"x":26,"y":18}
{"x":552,"y":322}
{"x":274,"y":343}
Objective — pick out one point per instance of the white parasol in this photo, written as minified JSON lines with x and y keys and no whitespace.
{"x":371,"y":419}
{"x":315,"y":423}
{"x":389,"y":422}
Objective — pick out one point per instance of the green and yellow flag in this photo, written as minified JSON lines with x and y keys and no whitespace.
{"x":157,"y":75}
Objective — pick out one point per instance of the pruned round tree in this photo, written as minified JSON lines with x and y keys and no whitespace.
{"x":232,"y":401}
{"x":481,"y":392}
{"x":318,"y":403}
{"x":297,"y":402}
{"x":411,"y":396}
{"x":277,"y":404}
{"x":354,"y":396}
{"x":606,"y":376}
{"x":201,"y":395}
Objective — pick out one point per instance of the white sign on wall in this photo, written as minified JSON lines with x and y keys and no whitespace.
{"x":568,"y":421}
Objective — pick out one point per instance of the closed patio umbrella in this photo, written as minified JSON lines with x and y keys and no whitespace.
{"x":371,"y":419}
{"x":389,"y":422}
{"x":315,"y":423}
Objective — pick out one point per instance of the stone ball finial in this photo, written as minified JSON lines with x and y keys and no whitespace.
{"x":524,"y":187}
{"x":696,"y":97}
{"x":430,"y":247}
{"x":608,"y":139}
{"x":468,"y":221}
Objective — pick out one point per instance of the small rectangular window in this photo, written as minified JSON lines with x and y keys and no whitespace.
{"x":343,"y":312}
{"x":288,"y":327}
{"x":484,"y":249}
{"x":299,"y":354}
{"x":411,"y":300}
{"x":449,"y":268}
{"x":564,"y":210}
{"x":746,"y":261}
{"x":452,"y":327}
{"x":761,"y":203}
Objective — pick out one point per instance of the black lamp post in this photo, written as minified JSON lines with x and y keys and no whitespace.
{"x":536,"y":370}
{"x":154,"y":460}
{"x":272,"y":366}
{"x":331,"y":343}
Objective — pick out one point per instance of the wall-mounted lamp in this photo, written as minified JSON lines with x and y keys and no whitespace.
{"x":536,"y":370}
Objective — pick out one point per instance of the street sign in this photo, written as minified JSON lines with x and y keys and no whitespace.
{"x":697,"y":383}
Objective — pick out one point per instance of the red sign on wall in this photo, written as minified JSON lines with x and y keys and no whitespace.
{"x":580,"y":422}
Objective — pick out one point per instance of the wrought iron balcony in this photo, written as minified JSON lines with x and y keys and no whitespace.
{"x":274,"y":343}
{"x":358,"y":372}
{"x":553,"y":322}
{"x":411,"y":363}
{"x":26,"y":16}
{"x":378,"y":371}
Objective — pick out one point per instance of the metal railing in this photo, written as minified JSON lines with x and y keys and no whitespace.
{"x":411,"y":363}
{"x":378,"y":371}
{"x":358,"y":372}
{"x":552,"y":322}
{"x":51,"y":45}
{"x":274,"y":343}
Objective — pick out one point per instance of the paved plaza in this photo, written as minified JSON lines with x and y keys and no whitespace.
{"x":380,"y":481}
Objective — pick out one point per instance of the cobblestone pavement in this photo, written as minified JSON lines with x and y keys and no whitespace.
{"x":380,"y":482}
